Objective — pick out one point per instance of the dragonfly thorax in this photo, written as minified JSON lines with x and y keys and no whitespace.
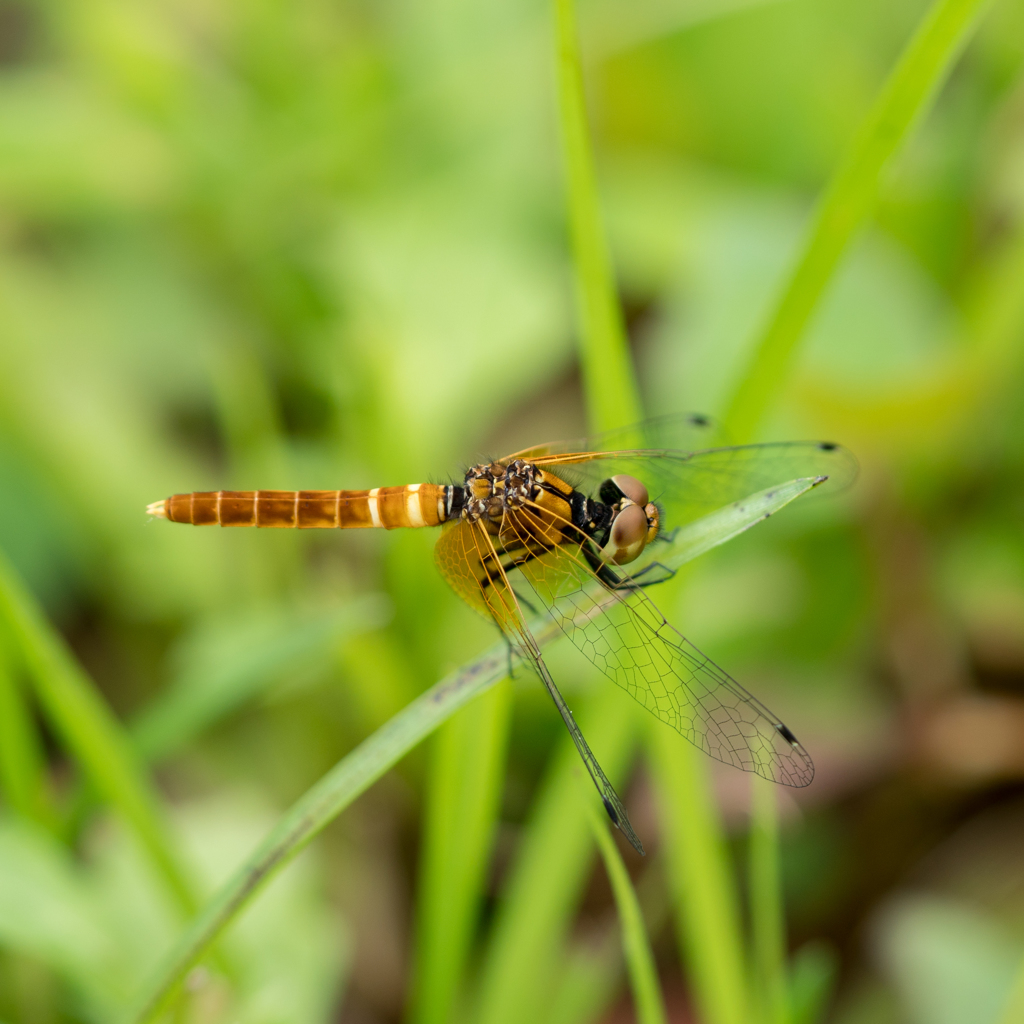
{"x":619,"y":524}
{"x":491,"y":489}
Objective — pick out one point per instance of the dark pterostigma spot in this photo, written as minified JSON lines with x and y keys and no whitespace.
{"x":784,"y":731}
{"x":611,"y":811}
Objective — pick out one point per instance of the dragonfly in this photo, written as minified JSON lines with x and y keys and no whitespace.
{"x":576,"y":527}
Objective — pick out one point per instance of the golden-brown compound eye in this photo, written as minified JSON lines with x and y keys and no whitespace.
{"x":628,"y":536}
{"x":631,"y":488}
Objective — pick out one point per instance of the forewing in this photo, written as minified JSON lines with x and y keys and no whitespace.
{"x":687,"y":432}
{"x":629,"y":640}
{"x":688,"y":485}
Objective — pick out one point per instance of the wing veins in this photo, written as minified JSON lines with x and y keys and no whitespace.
{"x":735,"y":745}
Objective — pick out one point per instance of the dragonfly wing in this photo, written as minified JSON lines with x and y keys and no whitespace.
{"x":688,"y":485}
{"x":687,"y":432}
{"x":625,"y":635}
{"x":477,"y":570}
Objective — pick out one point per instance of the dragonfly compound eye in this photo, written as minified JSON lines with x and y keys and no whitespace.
{"x":628,"y":536}
{"x":631,"y":488}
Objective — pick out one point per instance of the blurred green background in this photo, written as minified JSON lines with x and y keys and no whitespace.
{"x":322,"y":244}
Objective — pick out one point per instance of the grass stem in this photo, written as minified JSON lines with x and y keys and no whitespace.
{"x":88,"y":728}
{"x":848,"y":201}
{"x":643,"y":976}
{"x":525,"y":954}
{"x":463,"y":796}
{"x":767,"y":918}
{"x":609,"y":383}
{"x":706,"y":902}
{"x":319,"y":806}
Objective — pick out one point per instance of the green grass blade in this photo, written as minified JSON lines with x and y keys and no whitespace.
{"x":530,"y":933}
{"x":554,"y":861}
{"x":609,"y":383}
{"x":846,"y":203}
{"x":316,"y":808}
{"x":643,"y":976}
{"x":22,"y":764}
{"x":730,"y":521}
{"x":848,"y":200}
{"x":590,"y":974}
{"x":707,"y":911}
{"x":463,"y":799}
{"x":87,"y":727}
{"x":767,"y":918}
{"x":612,"y":400}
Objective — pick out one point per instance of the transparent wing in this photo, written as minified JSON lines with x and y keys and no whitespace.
{"x":622,"y":632}
{"x":688,"y":485}
{"x":685,"y":433}
{"x":478,"y":572}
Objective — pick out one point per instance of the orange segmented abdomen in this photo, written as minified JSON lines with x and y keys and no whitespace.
{"x":386,"y":507}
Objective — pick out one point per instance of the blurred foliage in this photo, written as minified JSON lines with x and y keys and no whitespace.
{"x":323,"y":244}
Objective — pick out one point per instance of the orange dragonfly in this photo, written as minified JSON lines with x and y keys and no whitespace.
{"x":566,"y":519}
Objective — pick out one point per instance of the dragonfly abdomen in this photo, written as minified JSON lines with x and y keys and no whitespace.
{"x":383,"y":507}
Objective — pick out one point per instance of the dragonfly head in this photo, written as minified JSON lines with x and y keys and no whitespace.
{"x":636,"y":519}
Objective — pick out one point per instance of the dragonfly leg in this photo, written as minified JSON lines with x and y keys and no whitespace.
{"x":510,"y":653}
{"x":655,"y":573}
{"x":652,"y":574}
